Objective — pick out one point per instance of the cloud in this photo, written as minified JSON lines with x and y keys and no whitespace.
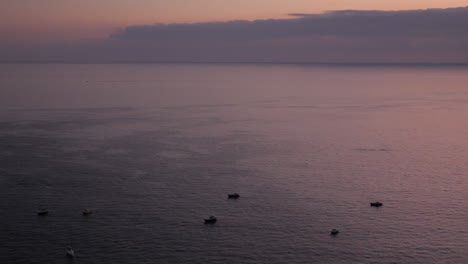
{"x":421,"y":23}
{"x":431,"y":35}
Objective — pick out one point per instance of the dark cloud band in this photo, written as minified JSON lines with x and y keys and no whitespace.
{"x":431,"y":22}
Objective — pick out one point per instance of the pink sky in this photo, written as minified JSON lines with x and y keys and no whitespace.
{"x":58,"y":20}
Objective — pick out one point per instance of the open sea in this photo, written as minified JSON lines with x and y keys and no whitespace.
{"x":153,"y":149}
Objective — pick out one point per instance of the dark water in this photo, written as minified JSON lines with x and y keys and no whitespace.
{"x":154,"y":149}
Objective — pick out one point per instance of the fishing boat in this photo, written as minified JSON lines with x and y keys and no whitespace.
{"x":376,"y":204}
{"x":210,"y":220}
{"x":233,"y":196}
{"x":334,"y":232}
{"x":42,"y":212}
{"x":87,"y":212}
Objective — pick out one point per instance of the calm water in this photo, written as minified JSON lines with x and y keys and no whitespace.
{"x":155,"y":148}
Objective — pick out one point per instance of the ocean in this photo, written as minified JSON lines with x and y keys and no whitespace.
{"x":153,"y":149}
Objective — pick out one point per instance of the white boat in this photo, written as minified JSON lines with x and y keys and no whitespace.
{"x":70,"y":252}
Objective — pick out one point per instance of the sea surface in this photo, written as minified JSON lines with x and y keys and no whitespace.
{"x":153,"y":149}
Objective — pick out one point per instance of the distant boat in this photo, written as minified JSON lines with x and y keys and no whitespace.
{"x":42,"y":212}
{"x":334,"y":232}
{"x":87,"y":212}
{"x":233,"y":196}
{"x":70,"y":252}
{"x":210,"y":220}
{"x":376,"y":204}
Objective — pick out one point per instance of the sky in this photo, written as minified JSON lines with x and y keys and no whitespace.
{"x":234,"y":30}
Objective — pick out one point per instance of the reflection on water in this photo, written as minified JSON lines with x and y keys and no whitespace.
{"x":155,"y":149}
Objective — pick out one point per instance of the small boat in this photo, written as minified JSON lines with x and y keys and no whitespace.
{"x":87,"y":212}
{"x":233,"y":196}
{"x":70,"y":252}
{"x":376,"y":204}
{"x":334,"y":232}
{"x":42,"y":212}
{"x":210,"y":220}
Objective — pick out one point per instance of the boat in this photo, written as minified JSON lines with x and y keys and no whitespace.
{"x":334,"y":232}
{"x":233,"y":196}
{"x":42,"y":212}
{"x":87,"y":212}
{"x":376,"y":204}
{"x":70,"y":252}
{"x":210,"y":220}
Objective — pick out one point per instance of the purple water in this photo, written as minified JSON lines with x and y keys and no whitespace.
{"x":154,"y":149}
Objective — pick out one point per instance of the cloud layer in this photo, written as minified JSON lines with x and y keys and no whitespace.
{"x":414,"y":23}
{"x":432,"y":35}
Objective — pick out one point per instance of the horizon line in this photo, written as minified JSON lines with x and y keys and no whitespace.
{"x":246,"y":62}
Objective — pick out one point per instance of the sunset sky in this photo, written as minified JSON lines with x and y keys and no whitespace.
{"x":31,"y":29}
